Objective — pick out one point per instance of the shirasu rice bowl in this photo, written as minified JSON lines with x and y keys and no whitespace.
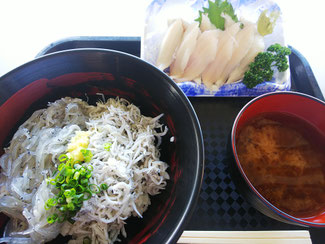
{"x":125,"y":159}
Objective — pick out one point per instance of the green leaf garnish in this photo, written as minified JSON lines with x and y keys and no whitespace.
{"x":214,"y":13}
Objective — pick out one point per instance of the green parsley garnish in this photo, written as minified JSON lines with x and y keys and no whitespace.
{"x":262,"y":68}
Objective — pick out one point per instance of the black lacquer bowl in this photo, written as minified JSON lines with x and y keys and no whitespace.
{"x":83,"y":73}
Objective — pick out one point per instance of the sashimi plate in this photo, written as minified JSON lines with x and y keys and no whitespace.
{"x":159,"y":15}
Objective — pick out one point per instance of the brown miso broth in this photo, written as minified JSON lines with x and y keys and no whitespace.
{"x":284,"y":158}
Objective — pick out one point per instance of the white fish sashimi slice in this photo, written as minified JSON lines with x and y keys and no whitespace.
{"x":244,"y":38}
{"x":185,"y":50}
{"x":169,"y":44}
{"x":228,"y":20}
{"x":227,"y":39}
{"x":238,"y":73}
{"x":204,"y":53}
{"x":171,"y":21}
{"x":198,"y":80}
{"x":206,"y":23}
{"x":184,"y":23}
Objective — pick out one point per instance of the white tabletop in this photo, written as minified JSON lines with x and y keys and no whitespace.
{"x":29,"y":26}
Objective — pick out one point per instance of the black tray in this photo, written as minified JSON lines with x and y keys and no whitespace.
{"x":220,"y":205}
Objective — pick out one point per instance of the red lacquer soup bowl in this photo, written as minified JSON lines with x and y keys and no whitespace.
{"x":278,"y":146}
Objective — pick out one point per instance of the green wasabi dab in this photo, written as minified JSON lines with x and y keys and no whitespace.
{"x":266,"y":24}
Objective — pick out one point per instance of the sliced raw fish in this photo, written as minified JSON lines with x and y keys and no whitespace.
{"x":244,"y":41}
{"x":206,"y":23}
{"x":239,"y":71}
{"x":204,"y":53}
{"x":225,"y":49}
{"x":185,"y":50}
{"x":170,"y":42}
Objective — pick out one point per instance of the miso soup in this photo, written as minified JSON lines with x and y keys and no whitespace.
{"x":284,"y":159}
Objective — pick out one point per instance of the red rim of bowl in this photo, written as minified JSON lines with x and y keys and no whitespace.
{"x":233,"y":145}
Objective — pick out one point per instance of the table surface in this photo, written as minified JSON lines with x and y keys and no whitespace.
{"x":29,"y":26}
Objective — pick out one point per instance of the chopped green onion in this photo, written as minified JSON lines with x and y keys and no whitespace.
{"x":47,"y":207}
{"x":52,"y":218}
{"x":68,"y":171}
{"x":54,"y":173}
{"x":59,"y":178}
{"x":107,"y":146}
{"x":88,"y":174}
{"x":94,"y":188}
{"x":64,"y":187}
{"x":77,"y":166}
{"x":87,"y":195}
{"x":63,"y":208}
{"x":104,"y":187}
{"x":61,"y":200}
{"x":72,"y":181}
{"x":51,"y":181}
{"x":51,"y":202}
{"x":84,"y":182}
{"x":70,"y":206}
{"x":69,"y":164}
{"x":73,"y":191}
{"x":61,"y":166}
{"x":83,"y":171}
{"x":63,"y":157}
{"x":78,"y":197}
{"x":80,"y":188}
{"x":87,"y":154}
{"x":70,"y":193}
{"x":67,"y":179}
{"x":76,"y":175}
